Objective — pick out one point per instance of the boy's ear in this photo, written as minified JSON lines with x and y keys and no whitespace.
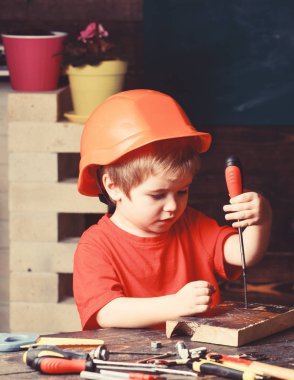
{"x":113,"y":191}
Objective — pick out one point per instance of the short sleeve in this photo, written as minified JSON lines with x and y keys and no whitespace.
{"x":95,"y":282}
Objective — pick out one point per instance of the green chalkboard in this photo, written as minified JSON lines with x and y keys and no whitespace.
{"x":228,"y":62}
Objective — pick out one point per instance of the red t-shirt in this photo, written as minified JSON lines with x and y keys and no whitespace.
{"x":111,"y":263}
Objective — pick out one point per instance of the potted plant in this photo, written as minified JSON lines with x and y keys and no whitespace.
{"x":33,"y":56}
{"x":94,"y":68}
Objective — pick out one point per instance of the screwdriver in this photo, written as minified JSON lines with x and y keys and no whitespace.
{"x":122,"y":375}
{"x":118,"y":375}
{"x":51,"y":359}
{"x":256,"y":366}
{"x":233,"y":175}
{"x":53,"y":365}
{"x":219,"y":369}
{"x":51,"y":351}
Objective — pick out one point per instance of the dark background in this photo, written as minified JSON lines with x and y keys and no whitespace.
{"x":229,"y":61}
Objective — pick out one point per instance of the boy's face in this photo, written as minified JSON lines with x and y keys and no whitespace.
{"x":153,"y":206}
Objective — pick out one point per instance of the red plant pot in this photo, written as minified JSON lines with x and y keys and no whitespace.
{"x":34,"y":62}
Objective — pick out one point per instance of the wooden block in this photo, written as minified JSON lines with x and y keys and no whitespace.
{"x":4,"y":317}
{"x":3,"y":123}
{"x":4,"y":178}
{"x":62,"y":260}
{"x":4,"y":263}
{"x":230,"y":324}
{"x":33,"y":226}
{"x":51,"y":257}
{"x":33,"y":287}
{"x":42,"y":106}
{"x":50,"y":197}
{"x":3,"y":205}
{"x":32,"y":136}
{"x":31,"y":256}
{"x":4,"y":276}
{"x":44,"y":318}
{"x":4,"y":241}
{"x":39,"y":167}
{"x":4,"y":290}
{"x":3,"y":149}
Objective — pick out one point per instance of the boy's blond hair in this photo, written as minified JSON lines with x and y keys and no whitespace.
{"x":173,"y":158}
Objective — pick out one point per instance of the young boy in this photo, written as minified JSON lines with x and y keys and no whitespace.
{"x":154,"y":259}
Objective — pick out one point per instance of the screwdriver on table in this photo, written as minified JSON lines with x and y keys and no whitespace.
{"x":55,"y":360}
{"x":261,"y":368}
{"x":219,"y":369}
{"x":108,"y":375}
{"x":233,"y":175}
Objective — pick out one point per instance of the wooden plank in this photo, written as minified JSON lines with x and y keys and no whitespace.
{"x":44,"y":317}
{"x":30,"y":167}
{"x":34,"y":287}
{"x":38,"y":136}
{"x":33,"y":226}
{"x":41,"y":106}
{"x":230,"y":324}
{"x":50,"y":197}
{"x":42,"y":256}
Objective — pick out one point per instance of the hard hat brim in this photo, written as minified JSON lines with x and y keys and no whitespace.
{"x":87,"y":184}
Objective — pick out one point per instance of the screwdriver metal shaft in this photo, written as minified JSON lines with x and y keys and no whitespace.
{"x":243,"y":266}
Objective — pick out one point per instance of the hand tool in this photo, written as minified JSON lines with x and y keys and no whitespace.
{"x":198,"y":352}
{"x":158,"y":356}
{"x":51,"y":351}
{"x":219,"y":369}
{"x":64,"y":342}
{"x":100,"y":352}
{"x":93,"y":376}
{"x":169,"y":362}
{"x":50,"y":365}
{"x":129,"y":376}
{"x":182,"y":350}
{"x":123,"y":364}
{"x":14,"y":342}
{"x":107,"y":375}
{"x":51,"y":359}
{"x":140,"y":367}
{"x":233,"y":174}
{"x":259,"y":367}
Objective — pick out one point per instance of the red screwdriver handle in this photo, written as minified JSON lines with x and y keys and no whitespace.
{"x":233,"y":174}
{"x":59,"y":365}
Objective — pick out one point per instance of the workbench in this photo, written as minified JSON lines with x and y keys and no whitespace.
{"x":277,"y":349}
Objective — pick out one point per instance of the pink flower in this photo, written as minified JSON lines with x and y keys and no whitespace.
{"x":89,"y":32}
{"x":90,"y":47}
{"x":101,"y":31}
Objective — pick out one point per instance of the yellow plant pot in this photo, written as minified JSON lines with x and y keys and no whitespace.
{"x":91,"y":85}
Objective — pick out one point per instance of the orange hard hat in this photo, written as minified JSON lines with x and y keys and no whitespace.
{"x":126,"y":121}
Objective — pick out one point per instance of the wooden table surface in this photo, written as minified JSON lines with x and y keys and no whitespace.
{"x":278,"y":349}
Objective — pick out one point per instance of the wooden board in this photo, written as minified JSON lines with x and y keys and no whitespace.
{"x":230,"y":324}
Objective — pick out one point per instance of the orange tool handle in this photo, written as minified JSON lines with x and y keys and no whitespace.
{"x":233,"y":174}
{"x":234,"y":180}
{"x":220,"y":357}
{"x":256,"y":366}
{"x":59,"y":365}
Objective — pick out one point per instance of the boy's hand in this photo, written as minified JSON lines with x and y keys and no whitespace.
{"x":247,"y":209}
{"x":193,"y":298}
